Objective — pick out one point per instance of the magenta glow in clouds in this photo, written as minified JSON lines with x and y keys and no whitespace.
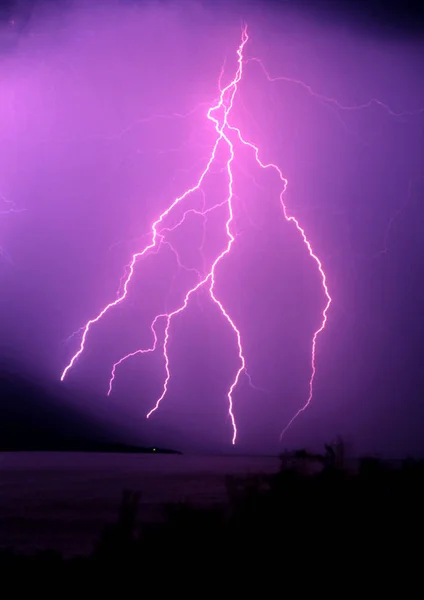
{"x":219,"y":115}
{"x":220,"y":202}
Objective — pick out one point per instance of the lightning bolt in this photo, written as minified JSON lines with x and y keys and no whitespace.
{"x":8,"y":207}
{"x":218,"y":115}
{"x":333,"y":102}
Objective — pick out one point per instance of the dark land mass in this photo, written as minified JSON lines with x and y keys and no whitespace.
{"x":331,"y":526}
{"x":37,"y":417}
{"x":84,"y":446}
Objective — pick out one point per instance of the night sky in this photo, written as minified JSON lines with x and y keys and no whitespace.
{"x":103,"y":124}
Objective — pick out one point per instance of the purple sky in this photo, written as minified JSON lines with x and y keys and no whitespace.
{"x":91,"y":152}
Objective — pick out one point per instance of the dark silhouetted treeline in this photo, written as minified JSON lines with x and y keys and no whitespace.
{"x":288,"y":527}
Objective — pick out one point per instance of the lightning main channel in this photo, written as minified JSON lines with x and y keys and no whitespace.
{"x":218,"y":114}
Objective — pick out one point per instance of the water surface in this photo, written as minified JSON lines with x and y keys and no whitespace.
{"x":63,"y":500}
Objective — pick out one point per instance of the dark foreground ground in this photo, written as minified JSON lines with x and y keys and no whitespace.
{"x":288,"y":529}
{"x":62,"y":501}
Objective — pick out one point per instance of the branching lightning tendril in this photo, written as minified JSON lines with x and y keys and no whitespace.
{"x":225,"y":133}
